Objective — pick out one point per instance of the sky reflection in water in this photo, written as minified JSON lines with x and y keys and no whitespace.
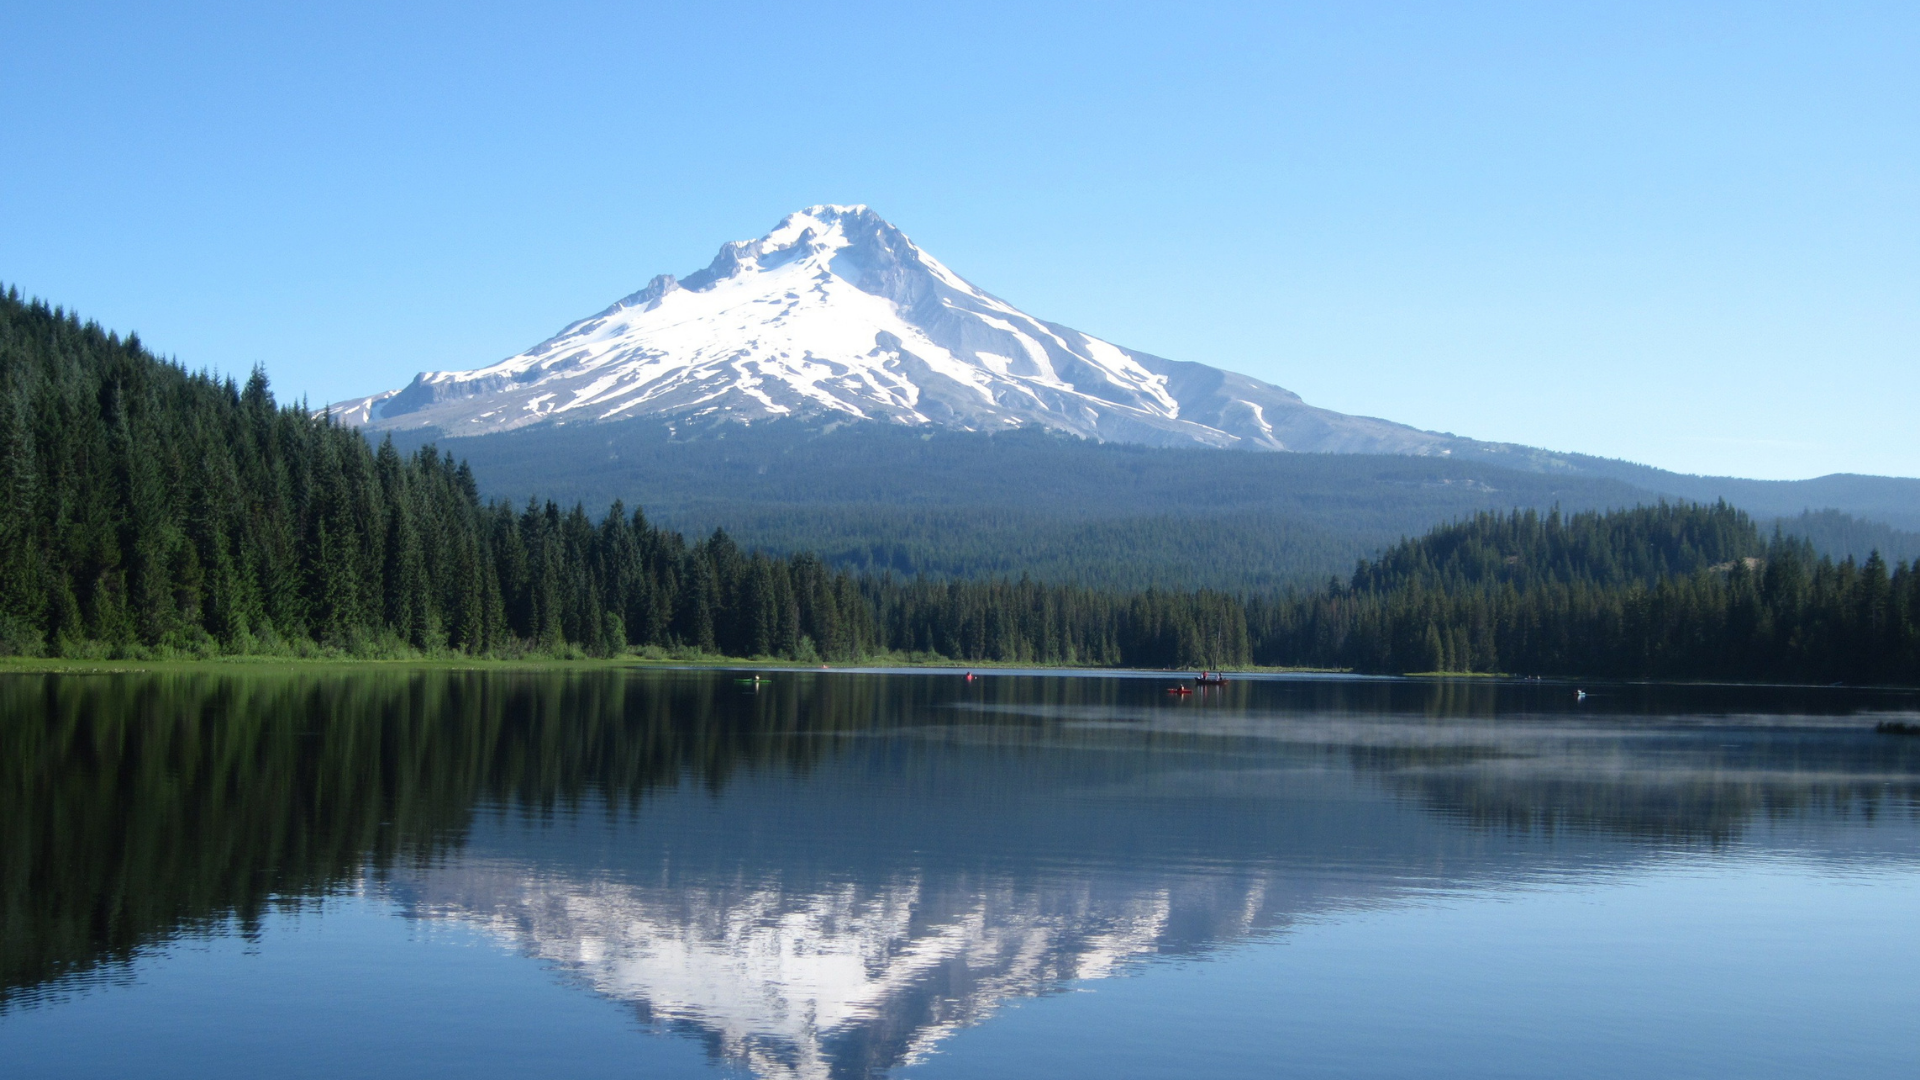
{"x":861,"y":875}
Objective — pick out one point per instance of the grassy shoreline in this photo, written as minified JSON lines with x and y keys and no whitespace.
{"x":19,"y":665}
{"x":346,"y":664}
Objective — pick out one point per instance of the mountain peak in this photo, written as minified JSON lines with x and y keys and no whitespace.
{"x":828,"y":213}
{"x":826,"y":224}
{"x":817,"y":230}
{"x":836,"y":313}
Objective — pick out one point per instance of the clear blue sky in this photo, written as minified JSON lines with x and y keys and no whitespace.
{"x":1682,"y":233}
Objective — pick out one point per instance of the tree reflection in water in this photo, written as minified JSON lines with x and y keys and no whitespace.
{"x":827,"y":874}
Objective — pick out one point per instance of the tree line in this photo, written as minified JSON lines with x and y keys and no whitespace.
{"x":1667,"y":591}
{"x":148,"y":510}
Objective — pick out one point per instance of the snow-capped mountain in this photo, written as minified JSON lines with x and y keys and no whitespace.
{"x":836,"y":314}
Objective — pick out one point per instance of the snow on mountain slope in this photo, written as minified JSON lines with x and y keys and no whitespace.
{"x":836,"y":314}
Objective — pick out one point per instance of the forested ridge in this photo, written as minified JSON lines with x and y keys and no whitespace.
{"x":947,"y":504}
{"x":1656,"y":592}
{"x":154,"y":511}
{"x":952,"y":504}
{"x":147,"y":508}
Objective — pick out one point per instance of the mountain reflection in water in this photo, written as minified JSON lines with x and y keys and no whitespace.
{"x":828,"y":875}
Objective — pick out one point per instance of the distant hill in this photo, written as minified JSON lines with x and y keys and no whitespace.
{"x":1890,"y":500}
{"x":960,"y":504}
{"x":1844,"y":536}
{"x":1674,"y":591}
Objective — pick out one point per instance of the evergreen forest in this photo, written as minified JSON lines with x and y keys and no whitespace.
{"x":874,"y":498}
{"x":151,"y":511}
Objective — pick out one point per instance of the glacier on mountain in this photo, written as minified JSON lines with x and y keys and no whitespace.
{"x":836,"y":314}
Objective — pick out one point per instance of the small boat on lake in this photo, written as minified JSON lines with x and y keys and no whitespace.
{"x":1179,"y":689}
{"x":1210,"y":678}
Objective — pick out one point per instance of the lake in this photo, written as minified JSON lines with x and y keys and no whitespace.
{"x":662,"y":873}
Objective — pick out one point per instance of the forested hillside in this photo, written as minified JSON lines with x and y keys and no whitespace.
{"x":1844,"y":536}
{"x":1656,"y":592}
{"x":953,"y":504}
{"x":149,"y":510}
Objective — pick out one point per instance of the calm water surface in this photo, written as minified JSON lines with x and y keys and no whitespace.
{"x":670,"y":874}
